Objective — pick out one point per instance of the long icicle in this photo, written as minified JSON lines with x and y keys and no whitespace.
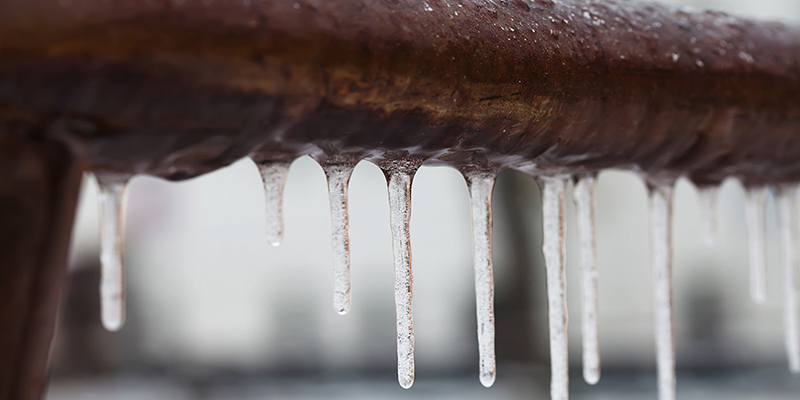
{"x":788,"y":212}
{"x":707,"y":202}
{"x":273,"y":174}
{"x":754,"y":212}
{"x":661,"y":236}
{"x":553,"y":189}
{"x":338,"y":180}
{"x":585,"y":201}
{"x":399,"y":182}
{"x":112,"y":232}
{"x":480,"y":190}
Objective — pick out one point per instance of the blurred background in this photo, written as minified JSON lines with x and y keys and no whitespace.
{"x":214,"y":312}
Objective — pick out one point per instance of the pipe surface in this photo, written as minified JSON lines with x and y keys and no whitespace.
{"x":179,"y":88}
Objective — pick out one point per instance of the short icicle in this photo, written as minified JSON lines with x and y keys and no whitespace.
{"x":707,"y":202}
{"x":787,"y":210}
{"x":399,"y":175}
{"x":553,"y":188}
{"x":480,"y":190}
{"x":273,"y":174}
{"x":112,"y":232}
{"x":585,"y":202}
{"x":338,"y":179}
{"x":754,"y":211}
{"x":661,"y":253}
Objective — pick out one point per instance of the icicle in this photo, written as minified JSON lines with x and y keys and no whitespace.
{"x":480,"y":187}
{"x":554,"y":256}
{"x":707,"y":202}
{"x":399,"y":182}
{"x":274,"y":176}
{"x":661,"y":236}
{"x":754,"y":211}
{"x":338,"y":179}
{"x":787,"y":210}
{"x":112,"y":231}
{"x":585,"y":202}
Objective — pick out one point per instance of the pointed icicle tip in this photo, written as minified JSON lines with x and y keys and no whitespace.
{"x":399,"y":175}
{"x":584,"y":196}
{"x":273,"y":175}
{"x":338,"y":180}
{"x":111,"y":196}
{"x":480,"y":185}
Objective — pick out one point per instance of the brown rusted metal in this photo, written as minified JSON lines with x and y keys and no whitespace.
{"x":178,"y":88}
{"x":38,"y":191}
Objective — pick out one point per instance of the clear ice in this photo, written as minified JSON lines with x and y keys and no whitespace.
{"x":787,"y":210}
{"x":584,"y":197}
{"x":707,"y":202}
{"x":274,"y":176}
{"x":338,"y":179}
{"x":112,"y":231}
{"x":661,"y":252}
{"x":480,"y":190}
{"x":754,"y":211}
{"x":399,"y":182}
{"x":553,"y":189}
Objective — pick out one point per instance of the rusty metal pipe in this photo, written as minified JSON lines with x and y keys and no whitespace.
{"x":178,"y":88}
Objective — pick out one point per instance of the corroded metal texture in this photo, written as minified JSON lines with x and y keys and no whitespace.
{"x":38,"y":191}
{"x":178,"y":88}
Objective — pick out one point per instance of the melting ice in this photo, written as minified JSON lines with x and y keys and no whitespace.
{"x":338,"y":178}
{"x":112,"y":230}
{"x":661,"y":252}
{"x":585,"y":203}
{"x":274,"y":175}
{"x":480,"y":189}
{"x":553,"y":189}
{"x":787,"y":211}
{"x":754,"y":211}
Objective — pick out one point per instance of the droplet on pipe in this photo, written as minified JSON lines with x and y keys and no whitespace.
{"x":338,"y":179}
{"x":787,"y":210}
{"x":585,"y":202}
{"x":755,"y":199}
{"x":661,"y":236}
{"x":273,"y":174}
{"x":707,"y":202}
{"x":112,"y":233}
{"x":553,"y":189}
{"x":480,"y":188}
{"x":399,"y":176}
